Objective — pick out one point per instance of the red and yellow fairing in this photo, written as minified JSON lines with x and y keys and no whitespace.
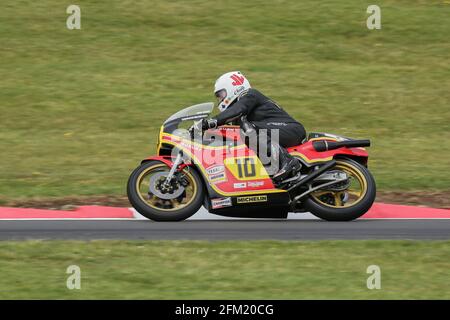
{"x":236,"y":169}
{"x":310,"y":156}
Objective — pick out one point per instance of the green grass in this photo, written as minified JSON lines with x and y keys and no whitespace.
{"x":225,"y":270}
{"x":79,"y":109}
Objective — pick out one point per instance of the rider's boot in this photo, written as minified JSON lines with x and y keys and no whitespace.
{"x":289,"y":166}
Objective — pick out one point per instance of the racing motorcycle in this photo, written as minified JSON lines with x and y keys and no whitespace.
{"x":220,"y":172}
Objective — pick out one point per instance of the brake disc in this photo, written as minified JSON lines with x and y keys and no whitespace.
{"x":157,"y":187}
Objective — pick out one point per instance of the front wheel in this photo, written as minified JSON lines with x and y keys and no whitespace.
{"x":346,"y":201}
{"x":151,"y":197}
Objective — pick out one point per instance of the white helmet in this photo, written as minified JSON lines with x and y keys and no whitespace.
{"x":228,"y":87}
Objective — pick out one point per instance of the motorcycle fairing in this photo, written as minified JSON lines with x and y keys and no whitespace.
{"x":238,"y":171}
{"x":309,"y":156}
{"x":275,"y":206}
{"x":225,"y":179}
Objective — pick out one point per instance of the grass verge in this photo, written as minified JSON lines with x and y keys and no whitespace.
{"x":80,"y":108}
{"x":225,"y":269}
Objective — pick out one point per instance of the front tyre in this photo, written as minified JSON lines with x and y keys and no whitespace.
{"x":154,"y":200}
{"x":337,"y":204}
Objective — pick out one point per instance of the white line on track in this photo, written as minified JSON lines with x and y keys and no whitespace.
{"x":203,"y":214}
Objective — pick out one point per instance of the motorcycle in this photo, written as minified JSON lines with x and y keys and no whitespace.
{"x":220,"y":172}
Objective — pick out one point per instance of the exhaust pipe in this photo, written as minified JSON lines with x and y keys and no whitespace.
{"x":324,"y":145}
{"x":312,"y":176}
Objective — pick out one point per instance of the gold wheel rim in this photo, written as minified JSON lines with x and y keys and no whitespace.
{"x":356,"y":196}
{"x":142,"y":187}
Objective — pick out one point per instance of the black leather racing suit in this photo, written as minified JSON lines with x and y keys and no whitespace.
{"x":263,"y":113}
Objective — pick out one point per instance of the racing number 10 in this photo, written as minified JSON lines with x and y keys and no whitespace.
{"x":246,"y":167}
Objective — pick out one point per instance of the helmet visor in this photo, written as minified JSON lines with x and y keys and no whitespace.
{"x":221,"y":94}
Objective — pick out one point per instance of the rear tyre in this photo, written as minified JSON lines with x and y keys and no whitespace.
{"x":322,"y":205}
{"x":184,"y":203}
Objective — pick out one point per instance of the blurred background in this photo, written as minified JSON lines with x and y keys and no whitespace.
{"x":79,"y":109}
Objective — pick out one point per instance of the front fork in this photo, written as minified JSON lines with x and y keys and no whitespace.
{"x":176,"y":163}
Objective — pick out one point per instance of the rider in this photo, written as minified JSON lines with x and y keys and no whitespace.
{"x":237,"y":98}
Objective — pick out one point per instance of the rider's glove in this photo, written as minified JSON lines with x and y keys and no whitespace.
{"x":209,"y":124}
{"x":203,"y":125}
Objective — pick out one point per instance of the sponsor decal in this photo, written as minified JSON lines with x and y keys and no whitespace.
{"x":229,"y":127}
{"x":216,"y":174}
{"x":239,"y":90}
{"x":216,"y":178}
{"x":220,"y":203}
{"x":237,"y":80}
{"x":252,"y":199}
{"x":240,"y":185}
{"x":255,"y":184}
{"x":215,"y":169}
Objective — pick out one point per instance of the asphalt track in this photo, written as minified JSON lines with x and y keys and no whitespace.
{"x":431,"y":229}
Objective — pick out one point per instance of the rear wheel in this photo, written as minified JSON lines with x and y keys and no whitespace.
{"x":161,"y":202}
{"x":346,"y":201}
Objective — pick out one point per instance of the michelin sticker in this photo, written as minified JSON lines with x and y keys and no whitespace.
{"x":220,"y":203}
{"x":252,"y":199}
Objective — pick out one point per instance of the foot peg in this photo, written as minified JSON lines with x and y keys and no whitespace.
{"x":287,"y":172}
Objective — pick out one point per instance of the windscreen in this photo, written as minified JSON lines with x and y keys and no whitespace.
{"x":195,"y":112}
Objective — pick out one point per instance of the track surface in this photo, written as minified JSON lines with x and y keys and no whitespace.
{"x":225,"y":230}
